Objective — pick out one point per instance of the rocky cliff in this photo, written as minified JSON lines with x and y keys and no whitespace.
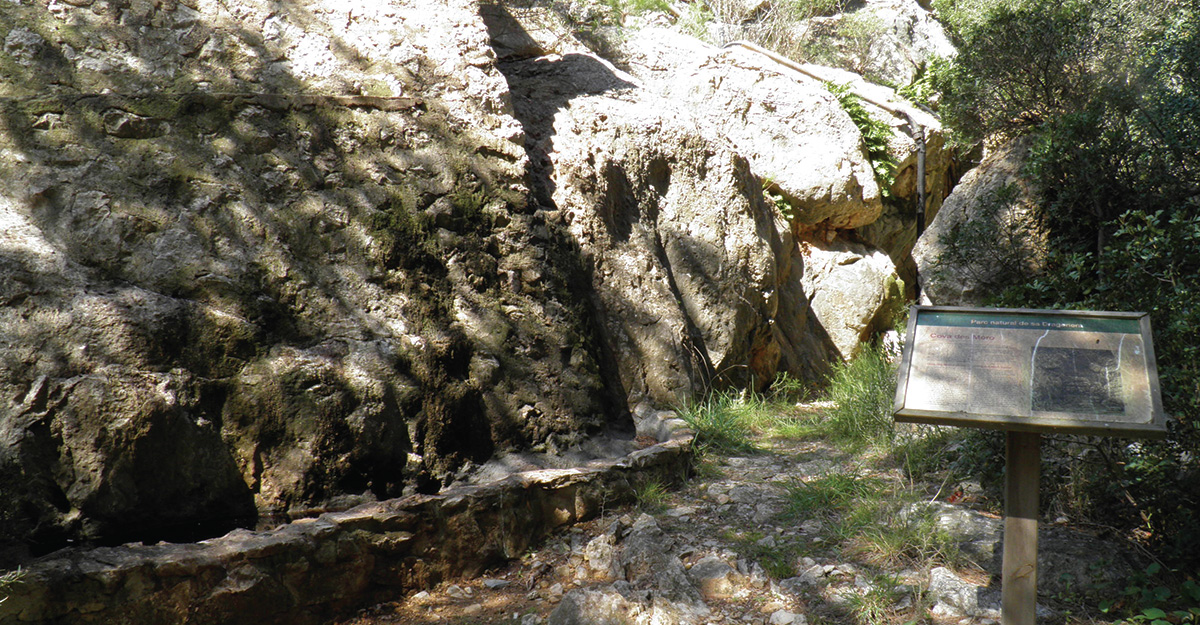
{"x":264,"y":258}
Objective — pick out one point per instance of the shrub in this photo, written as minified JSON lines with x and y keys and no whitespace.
{"x":1111,"y":91}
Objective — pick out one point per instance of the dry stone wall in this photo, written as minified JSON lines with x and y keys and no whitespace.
{"x":310,"y":570}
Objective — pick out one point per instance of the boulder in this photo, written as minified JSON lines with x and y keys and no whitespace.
{"x":890,"y":41}
{"x":680,"y":246}
{"x":855,"y":292}
{"x":269,"y":255}
{"x":989,"y":233}
{"x":954,"y":596}
{"x":339,"y":252}
{"x":785,"y":123}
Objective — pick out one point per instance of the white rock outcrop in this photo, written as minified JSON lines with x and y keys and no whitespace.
{"x":786,"y":124}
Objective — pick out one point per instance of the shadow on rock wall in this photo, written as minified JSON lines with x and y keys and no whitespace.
{"x":693,"y":285}
{"x":256,"y":265}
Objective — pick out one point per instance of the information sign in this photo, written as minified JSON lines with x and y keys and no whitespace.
{"x":1028,"y":372}
{"x":1031,"y":370}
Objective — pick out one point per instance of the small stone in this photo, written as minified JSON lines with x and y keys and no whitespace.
{"x":496,"y":584}
{"x":555,"y":592}
{"x":473,"y":609}
{"x":458,"y":592}
{"x":758,"y":577}
{"x":713,"y":577}
{"x":783,"y":617}
{"x":771,"y":607}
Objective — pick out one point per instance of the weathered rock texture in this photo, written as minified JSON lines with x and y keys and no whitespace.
{"x":681,"y":247}
{"x":890,"y":41}
{"x":264,"y":258}
{"x":856,"y":292}
{"x":788,"y":125}
{"x":962,"y":261}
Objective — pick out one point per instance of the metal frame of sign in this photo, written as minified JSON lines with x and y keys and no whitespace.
{"x":979,"y":323}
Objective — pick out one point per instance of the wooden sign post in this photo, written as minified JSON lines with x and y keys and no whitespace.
{"x":1028,"y":372}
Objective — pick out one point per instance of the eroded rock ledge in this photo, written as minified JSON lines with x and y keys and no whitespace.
{"x":305,"y":571}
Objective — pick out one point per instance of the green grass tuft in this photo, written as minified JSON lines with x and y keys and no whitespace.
{"x":652,"y":497}
{"x":728,"y":422}
{"x":863,"y":391}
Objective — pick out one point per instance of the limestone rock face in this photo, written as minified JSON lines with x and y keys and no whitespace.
{"x":680,"y":246}
{"x":264,"y":259}
{"x":267,"y":255}
{"x":987,"y":234}
{"x":902,"y":37}
{"x":787,"y":125}
{"x":856,"y":292}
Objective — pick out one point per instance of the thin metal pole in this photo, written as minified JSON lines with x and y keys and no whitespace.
{"x":1019,"y":581}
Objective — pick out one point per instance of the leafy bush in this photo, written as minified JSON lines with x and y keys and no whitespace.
{"x":1147,"y":600}
{"x":1019,"y":63}
{"x":1151,"y":263}
{"x":1111,"y":91}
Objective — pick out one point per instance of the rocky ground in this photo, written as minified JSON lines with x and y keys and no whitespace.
{"x":732,"y":545}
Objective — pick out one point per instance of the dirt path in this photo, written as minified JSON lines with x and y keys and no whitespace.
{"x":735,"y":510}
{"x":760,"y":545}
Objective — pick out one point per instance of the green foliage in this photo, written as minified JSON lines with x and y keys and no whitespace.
{"x":1111,"y":93}
{"x":1150,"y":263}
{"x":1020,"y":62}
{"x":724,"y":422}
{"x":877,"y":606}
{"x":834,"y":491}
{"x":1149,"y":599}
{"x":879,"y":520}
{"x":620,"y":9}
{"x":776,"y":556}
{"x":695,"y":19}
{"x":729,"y":422}
{"x":922,"y":89}
{"x":816,"y":8}
{"x":8,"y":579}
{"x":876,"y":135}
{"x":863,"y":391}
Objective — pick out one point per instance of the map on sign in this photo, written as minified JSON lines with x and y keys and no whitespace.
{"x":1031,"y":370}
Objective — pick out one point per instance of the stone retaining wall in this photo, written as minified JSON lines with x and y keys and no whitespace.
{"x":312,"y":569}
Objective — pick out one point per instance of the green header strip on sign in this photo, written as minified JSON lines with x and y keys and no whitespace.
{"x":1061,"y":323}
